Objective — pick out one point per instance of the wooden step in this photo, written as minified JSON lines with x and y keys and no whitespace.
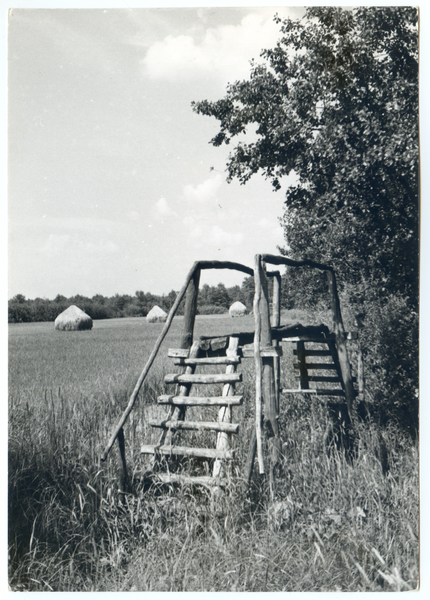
{"x":186,"y":451}
{"x":203,"y":378}
{"x":316,"y":392}
{"x":191,"y":480}
{"x":196,"y":425}
{"x":200,"y":400}
{"x":322,"y":378}
{"x":310,"y":352}
{"x":320,"y":366}
{"x":319,"y":378}
{"x":215,"y":360}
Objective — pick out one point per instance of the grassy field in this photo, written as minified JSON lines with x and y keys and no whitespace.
{"x":334,"y":524}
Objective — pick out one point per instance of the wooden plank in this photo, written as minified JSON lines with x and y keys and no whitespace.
{"x":190,"y":480}
{"x":200,"y":400}
{"x":195,"y":425}
{"x":268,"y":352}
{"x":214,"y":360}
{"x":203,"y":378}
{"x":319,"y":366}
{"x":317,"y":392}
{"x":185,"y":451}
{"x":178,"y":352}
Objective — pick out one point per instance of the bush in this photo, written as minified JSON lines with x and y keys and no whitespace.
{"x":211,"y":309}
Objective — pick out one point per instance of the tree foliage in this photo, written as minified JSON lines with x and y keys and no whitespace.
{"x":336,"y":103}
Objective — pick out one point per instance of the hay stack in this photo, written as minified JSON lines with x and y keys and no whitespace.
{"x":73,"y":319}
{"x":237,"y":309}
{"x":156,"y":315}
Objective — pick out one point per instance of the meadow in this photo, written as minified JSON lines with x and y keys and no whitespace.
{"x":335,"y":523}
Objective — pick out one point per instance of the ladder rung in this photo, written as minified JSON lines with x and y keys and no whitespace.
{"x":309,"y":352}
{"x":190,"y":480}
{"x":319,"y":378}
{"x":185,"y":451}
{"x":215,"y":360}
{"x":320,"y":366}
{"x":322,"y":379}
{"x":203,"y":378}
{"x":200,"y":400}
{"x":196,"y":425}
{"x":314,"y":391}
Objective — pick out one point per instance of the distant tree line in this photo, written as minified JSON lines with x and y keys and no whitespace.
{"x":212,"y":300}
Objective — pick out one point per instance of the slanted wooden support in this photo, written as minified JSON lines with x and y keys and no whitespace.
{"x":342,"y":351}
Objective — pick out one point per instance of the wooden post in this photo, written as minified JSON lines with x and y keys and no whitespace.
{"x":190,"y":310}
{"x":122,"y":465}
{"x":275,"y":322}
{"x":268,"y":378}
{"x":360,"y":369}
{"x":258,"y":367}
{"x":341,"y":343}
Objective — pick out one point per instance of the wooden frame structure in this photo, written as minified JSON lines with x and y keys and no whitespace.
{"x":266,"y":353}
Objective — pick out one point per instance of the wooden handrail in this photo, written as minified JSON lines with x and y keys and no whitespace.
{"x":283,"y":260}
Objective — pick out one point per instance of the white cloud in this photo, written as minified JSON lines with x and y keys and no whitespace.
{"x":163,"y":209}
{"x":223,"y":238}
{"x":224,"y":50}
{"x":204,"y":191}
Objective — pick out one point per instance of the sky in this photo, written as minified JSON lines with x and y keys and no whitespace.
{"x":113,"y":185}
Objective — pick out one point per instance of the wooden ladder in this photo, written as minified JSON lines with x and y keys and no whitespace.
{"x":175,"y":421}
{"x":321,"y":371}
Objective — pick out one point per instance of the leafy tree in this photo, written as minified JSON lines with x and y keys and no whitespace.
{"x":336,"y":103}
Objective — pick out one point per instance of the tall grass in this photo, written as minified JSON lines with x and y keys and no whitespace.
{"x":334,"y":524}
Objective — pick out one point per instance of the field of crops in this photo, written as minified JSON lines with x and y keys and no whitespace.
{"x":335,"y":524}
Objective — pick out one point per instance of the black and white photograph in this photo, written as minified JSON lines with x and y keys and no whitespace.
{"x":213,"y":286}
